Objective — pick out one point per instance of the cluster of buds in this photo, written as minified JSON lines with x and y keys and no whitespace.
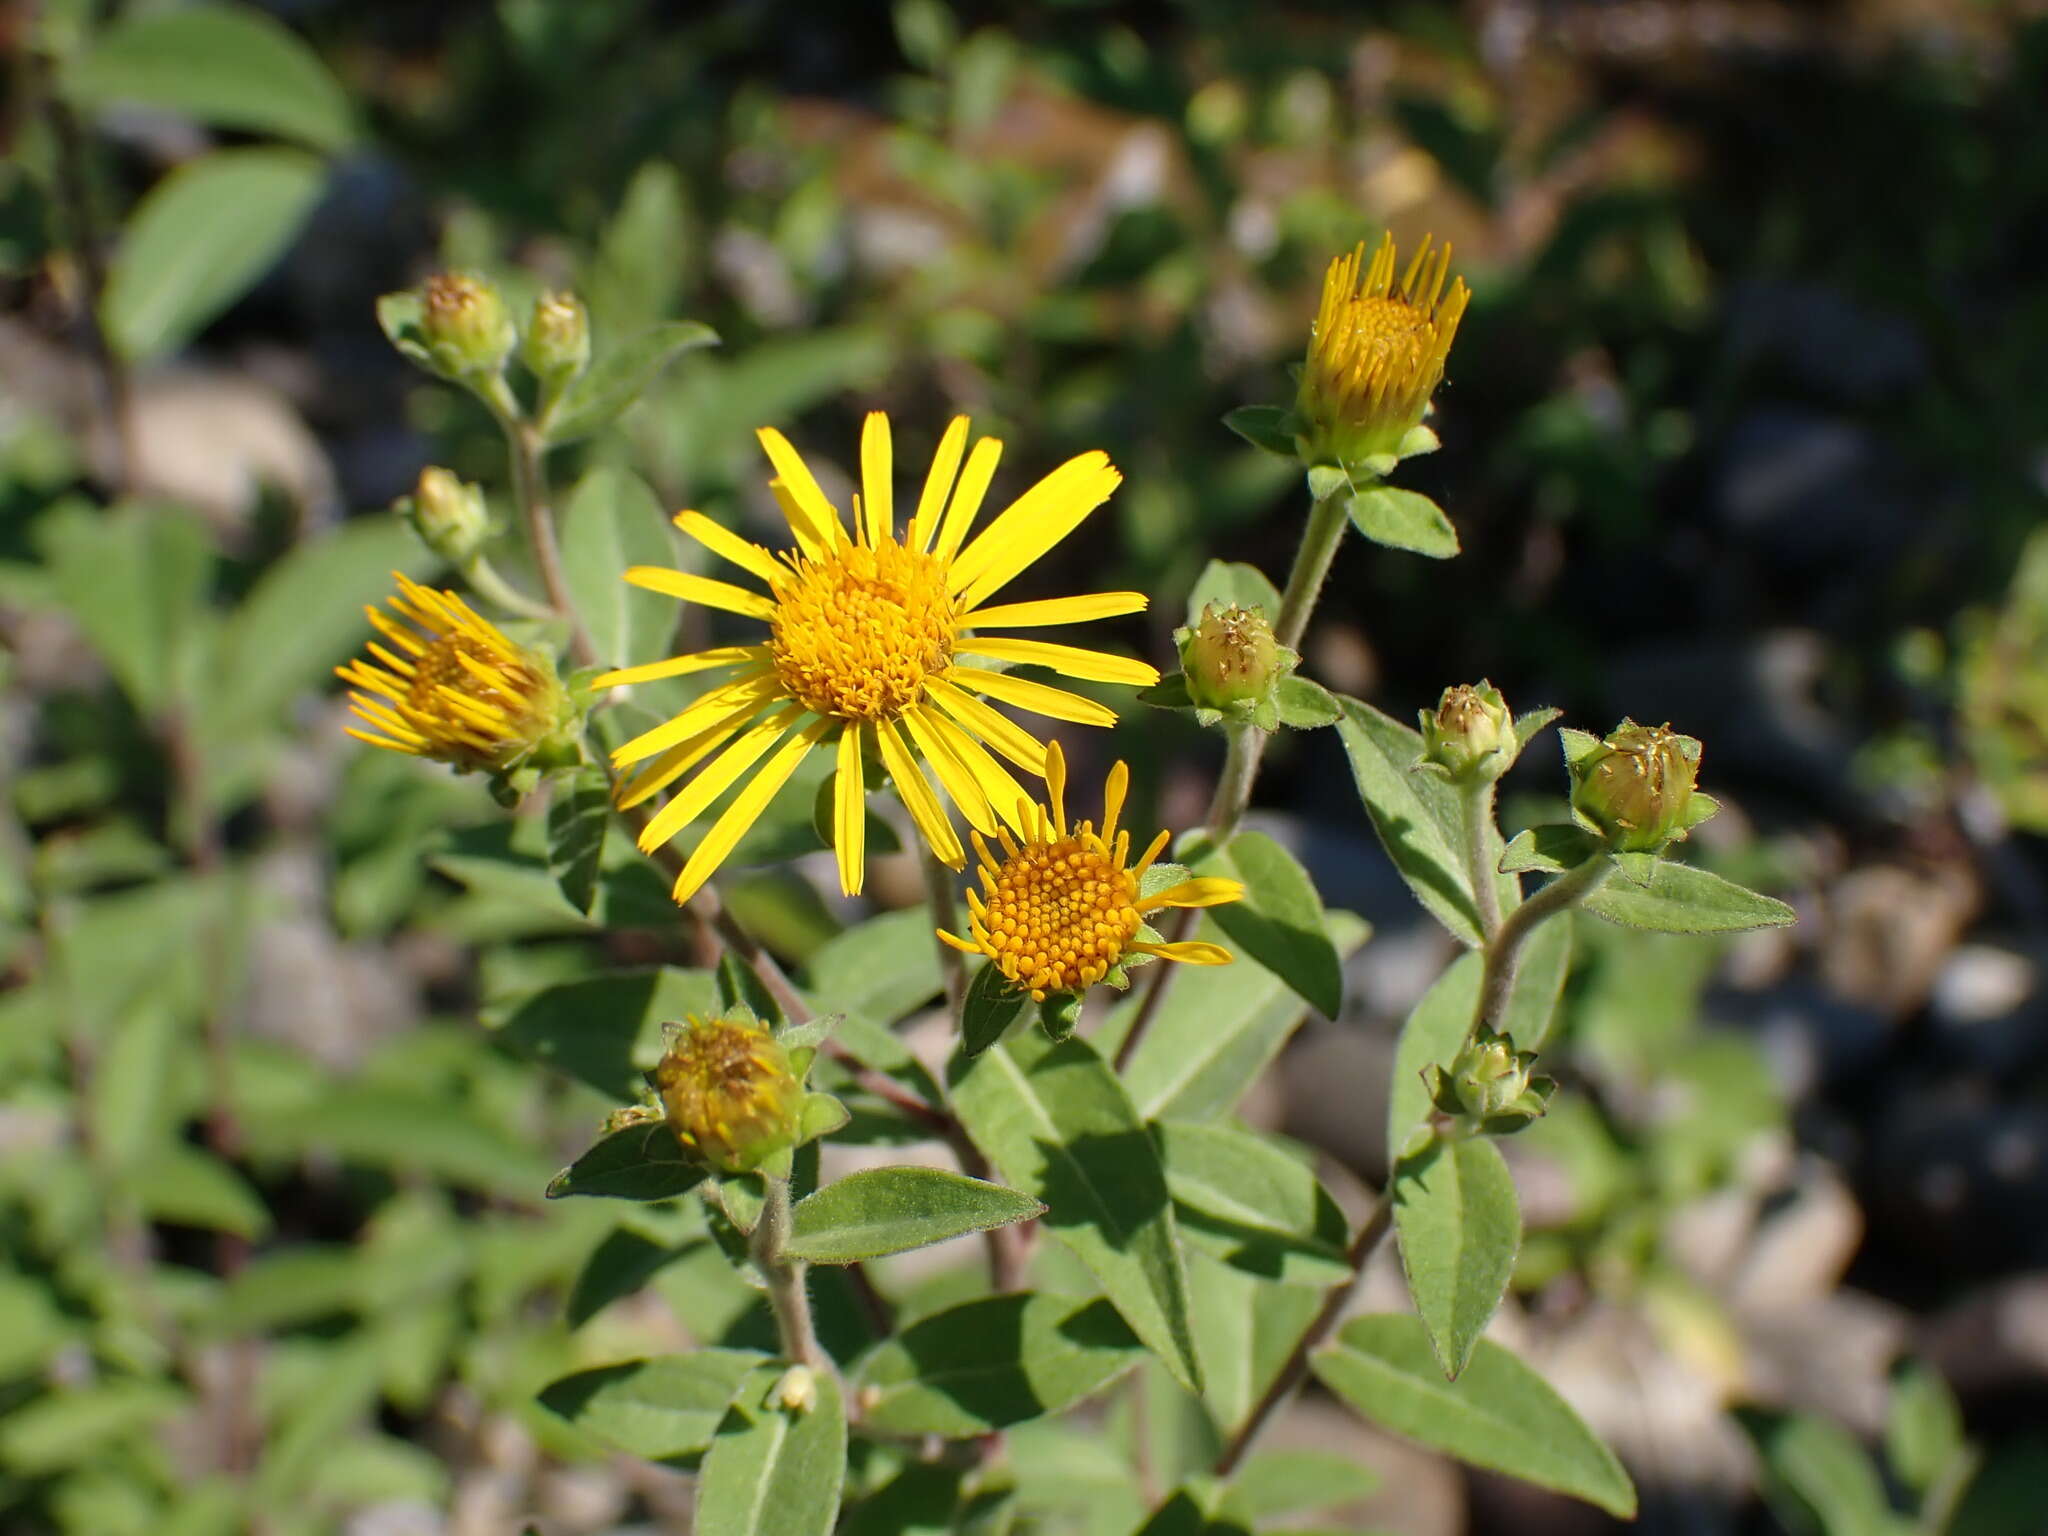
{"x":732,"y":1090}
{"x":1490,"y":1088}
{"x":459,"y":326}
{"x":1636,"y":787}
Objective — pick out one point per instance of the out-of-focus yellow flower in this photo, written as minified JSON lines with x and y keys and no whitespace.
{"x":729,"y":1091}
{"x":1377,"y":353}
{"x":868,"y":639}
{"x":452,"y":687}
{"x":1063,"y":906}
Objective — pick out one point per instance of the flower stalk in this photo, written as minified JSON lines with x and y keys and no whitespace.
{"x":787,"y":1297}
{"x":1504,"y":949}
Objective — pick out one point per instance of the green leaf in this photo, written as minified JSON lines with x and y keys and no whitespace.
{"x":1279,"y":922}
{"x":643,"y":256}
{"x":612,"y":521}
{"x":1532,"y":723}
{"x":1499,"y":1414}
{"x":604,"y":1029}
{"x":1271,"y":427}
{"x":1549,"y":850}
{"x":618,"y":1266}
{"x":1276,"y":1483}
{"x":1215,"y":1033}
{"x":619,"y":376}
{"x":921,"y":1500}
{"x":1253,"y":1205}
{"x":1818,"y":1475}
{"x":1454,"y":1207}
{"x":73,"y":1428}
{"x":199,"y":240}
{"x":990,"y":1363}
{"x":190,"y":1188}
{"x":670,"y":1406}
{"x":892,"y":1210}
{"x":228,"y":66}
{"x":1539,"y":981}
{"x":578,"y":815}
{"x":1416,"y":815}
{"x":882,"y":969}
{"x":1436,"y":1027}
{"x":1923,"y":1432}
{"x":135,"y":580}
{"x":1228,"y":584}
{"x":1683,"y":898}
{"x":640,"y":1162}
{"x":771,"y":1470}
{"x":1404,"y":520}
{"x":1306,"y":705}
{"x":1058,"y":1124}
{"x":993,"y":1004}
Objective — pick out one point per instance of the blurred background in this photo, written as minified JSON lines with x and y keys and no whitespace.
{"x":1746,"y":429}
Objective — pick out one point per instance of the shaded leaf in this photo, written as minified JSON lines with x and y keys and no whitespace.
{"x":1434,"y":1030}
{"x":891,"y":1210}
{"x":993,"y":1004}
{"x":1270,"y":427}
{"x":770,"y":1470}
{"x":665,"y":1407}
{"x":1549,"y":850}
{"x":1279,"y":922}
{"x":1253,"y":1205}
{"x":1460,"y":1228}
{"x":578,"y":816}
{"x":604,"y":1029}
{"x":1229,"y":583}
{"x":640,"y":1162}
{"x":1540,"y":976}
{"x":611,"y":521}
{"x":1417,"y":815}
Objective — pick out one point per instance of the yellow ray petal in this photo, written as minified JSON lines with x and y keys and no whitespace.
{"x":680,"y":759}
{"x":796,"y":476}
{"x":967,"y":495}
{"x":961,"y":785}
{"x":1055,"y":610}
{"x":878,"y":503}
{"x":1002,"y":790}
{"x":1114,"y":788}
{"x":816,"y":543}
{"x":1039,"y":698}
{"x":1090,"y":666}
{"x":1033,"y":524}
{"x":916,"y":794}
{"x":937,"y":482}
{"x":999,"y":731}
{"x":960,"y":944}
{"x":1202,"y":891}
{"x":702,"y":590}
{"x":746,"y":809}
{"x":850,"y":808}
{"x":1056,"y":785}
{"x":717,"y":776}
{"x":681,"y":666}
{"x":1188,"y":952}
{"x":723,"y":542}
{"x":1152,"y":851}
{"x":747,"y":691}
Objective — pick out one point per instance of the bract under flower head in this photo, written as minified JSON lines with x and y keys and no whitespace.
{"x":869,"y":645}
{"x":1062,"y":906}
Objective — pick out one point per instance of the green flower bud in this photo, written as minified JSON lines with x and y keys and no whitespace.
{"x":447,"y":514}
{"x":1636,"y":787}
{"x":1490,"y":1087}
{"x":1471,"y":734}
{"x":557,"y":344}
{"x":463,"y":321}
{"x":1230,"y":657}
{"x":729,"y":1091}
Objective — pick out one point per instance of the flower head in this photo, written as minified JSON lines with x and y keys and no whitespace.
{"x":870,"y":636}
{"x":1063,"y":906}
{"x":448,"y":514}
{"x":1377,"y":352}
{"x":1471,"y":733}
{"x":557,"y":344}
{"x":467,"y":331}
{"x":452,"y":687}
{"x":1637,"y":785}
{"x":729,"y":1091}
{"x":1231,"y":657}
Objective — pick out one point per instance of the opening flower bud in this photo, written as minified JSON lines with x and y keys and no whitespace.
{"x":1636,"y":787}
{"x":557,"y":345}
{"x":1230,"y":657}
{"x":729,"y":1091}
{"x":1489,"y":1075}
{"x":448,"y":515}
{"x":463,"y":320}
{"x":1471,"y":733}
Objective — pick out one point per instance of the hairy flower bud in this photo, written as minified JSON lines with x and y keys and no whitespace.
{"x":1490,"y":1087}
{"x":729,"y":1091}
{"x":447,"y":514}
{"x":1636,"y":787}
{"x":1230,"y":657}
{"x":557,"y":345}
{"x":463,"y":321}
{"x":1471,"y":733}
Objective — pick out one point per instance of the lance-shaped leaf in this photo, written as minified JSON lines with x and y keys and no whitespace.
{"x":1417,"y":815}
{"x":1435,"y":1028}
{"x":1233,"y":584}
{"x":1279,"y":921}
{"x":773,"y":1470}
{"x":613,"y":520}
{"x":1549,"y":850}
{"x":578,"y":816}
{"x":661,"y":1408}
{"x":1252,"y":1205}
{"x":1460,"y":1228}
{"x":1499,"y":1414}
{"x":1058,"y":1125}
{"x":1539,"y":981}
{"x":1404,"y":520}
{"x":890,"y":1210}
{"x":1271,"y":427}
{"x":992,"y":1005}
{"x":617,"y":378}
{"x":992,"y":1362}
{"x":640,"y":1162}
{"x":1682,"y":898}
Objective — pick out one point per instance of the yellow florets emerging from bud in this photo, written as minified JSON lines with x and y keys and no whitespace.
{"x":856,"y":634}
{"x":729,"y":1091}
{"x":1376,"y":355}
{"x":557,"y":345}
{"x":1471,"y":734}
{"x":1637,"y":786}
{"x":448,"y":515}
{"x":450,"y":686}
{"x":465,"y":326}
{"x":1230,"y":657}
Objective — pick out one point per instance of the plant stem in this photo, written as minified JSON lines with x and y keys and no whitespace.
{"x":1503,"y":951}
{"x":785,"y":1279}
{"x":1327,"y":520}
{"x":530,"y":489}
{"x":1476,"y":799}
{"x":493,"y":587}
{"x":1283,"y":1386}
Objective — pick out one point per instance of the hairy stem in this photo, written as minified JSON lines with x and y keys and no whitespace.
{"x":485,"y":579}
{"x":1476,"y":800}
{"x":1504,"y":950}
{"x":787,"y":1297}
{"x":527,"y":447}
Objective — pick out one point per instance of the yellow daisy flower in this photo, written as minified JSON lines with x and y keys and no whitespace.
{"x":868,"y":640}
{"x":451,"y":686}
{"x":1377,"y":352}
{"x":1063,"y":906}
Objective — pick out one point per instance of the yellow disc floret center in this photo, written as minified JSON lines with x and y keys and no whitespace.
{"x":1393,"y":334}
{"x":1060,"y":914}
{"x":856,"y":634}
